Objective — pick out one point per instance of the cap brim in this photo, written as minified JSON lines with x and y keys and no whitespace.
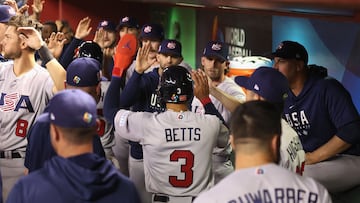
{"x":171,"y":53}
{"x":217,"y":56}
{"x":242,"y":81}
{"x":43,"y":118}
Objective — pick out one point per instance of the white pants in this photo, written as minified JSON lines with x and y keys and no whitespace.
{"x":339,"y":174}
{"x":11,"y":171}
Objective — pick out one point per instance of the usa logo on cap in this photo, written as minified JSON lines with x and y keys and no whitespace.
{"x":125,"y":19}
{"x":147,"y":29}
{"x":216,"y":47}
{"x":280,"y":46}
{"x":171,"y":45}
{"x":104,"y":23}
{"x":11,"y":11}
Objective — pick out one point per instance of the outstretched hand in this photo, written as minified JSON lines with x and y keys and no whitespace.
{"x":201,"y":84}
{"x":83,"y":28}
{"x":142,"y":59}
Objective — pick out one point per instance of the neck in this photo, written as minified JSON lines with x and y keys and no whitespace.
{"x":297,"y":84}
{"x":177,"y":107}
{"x":24,"y":64}
{"x":252,"y":160}
{"x":69,"y":150}
{"x":217,"y":81}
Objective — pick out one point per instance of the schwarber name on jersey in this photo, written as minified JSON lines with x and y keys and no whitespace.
{"x":22,"y":99}
{"x":177,"y":148}
{"x":267,"y":183}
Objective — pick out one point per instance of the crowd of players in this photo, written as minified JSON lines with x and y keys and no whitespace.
{"x":133,"y":122}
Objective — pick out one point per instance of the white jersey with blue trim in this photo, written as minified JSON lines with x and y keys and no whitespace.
{"x":23,"y":98}
{"x":291,"y":150}
{"x":177,"y":148}
{"x":266,"y":183}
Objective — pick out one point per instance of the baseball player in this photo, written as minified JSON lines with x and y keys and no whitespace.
{"x":76,"y":174}
{"x":177,"y":143}
{"x":269,"y":84}
{"x":126,"y":50}
{"x":140,"y":93}
{"x":6,"y":12}
{"x":215,"y":65}
{"x":82,"y":73}
{"x":256,"y":129}
{"x":25,"y":90}
{"x":321,"y":111}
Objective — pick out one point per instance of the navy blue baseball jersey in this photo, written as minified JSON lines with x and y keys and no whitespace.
{"x":39,"y":148}
{"x":324,"y":108}
{"x":83,"y":178}
{"x":141,"y":95}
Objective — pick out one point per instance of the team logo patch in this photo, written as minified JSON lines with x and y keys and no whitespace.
{"x":76,"y":79}
{"x":216,"y":47}
{"x":182,"y":98}
{"x":174,"y":98}
{"x":52,"y":116}
{"x":148,"y":29}
{"x":171,"y":45}
{"x":125,"y":19}
{"x":259,"y":171}
{"x":11,"y":11}
{"x":87,"y":117}
{"x":104,"y":23}
{"x":256,"y":87}
{"x":180,"y":116}
{"x":280,"y":46}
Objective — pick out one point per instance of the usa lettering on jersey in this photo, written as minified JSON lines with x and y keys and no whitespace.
{"x":14,"y":102}
{"x":299,"y":122}
{"x":278,"y":195}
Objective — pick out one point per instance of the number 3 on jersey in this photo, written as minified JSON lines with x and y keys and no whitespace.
{"x":185,"y":168}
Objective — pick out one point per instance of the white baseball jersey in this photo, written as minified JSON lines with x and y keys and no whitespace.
{"x":266,"y":183}
{"x":105,"y":129}
{"x":177,"y":148}
{"x":291,"y":151}
{"x":228,"y":86}
{"x":22,"y":99}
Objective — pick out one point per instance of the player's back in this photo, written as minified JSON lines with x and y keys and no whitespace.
{"x":266,"y":183}
{"x":177,"y":150}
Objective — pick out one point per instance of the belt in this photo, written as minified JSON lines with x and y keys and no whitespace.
{"x":166,"y":198}
{"x":9,"y":155}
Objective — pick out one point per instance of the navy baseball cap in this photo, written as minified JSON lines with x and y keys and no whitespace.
{"x":129,"y":22}
{"x":216,"y":49}
{"x":107,"y":25}
{"x":71,"y":108}
{"x":152,"y":31}
{"x":170,"y":47}
{"x":83,"y":72}
{"x":6,"y":12}
{"x":267,"y":82}
{"x":291,"y":50}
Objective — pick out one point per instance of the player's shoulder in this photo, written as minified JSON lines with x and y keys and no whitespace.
{"x":229,"y":86}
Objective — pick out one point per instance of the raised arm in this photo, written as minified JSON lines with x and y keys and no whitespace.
{"x":33,"y":39}
{"x":124,"y":56}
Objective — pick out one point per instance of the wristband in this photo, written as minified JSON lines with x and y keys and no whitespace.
{"x":205,"y":101}
{"x":45,"y":54}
